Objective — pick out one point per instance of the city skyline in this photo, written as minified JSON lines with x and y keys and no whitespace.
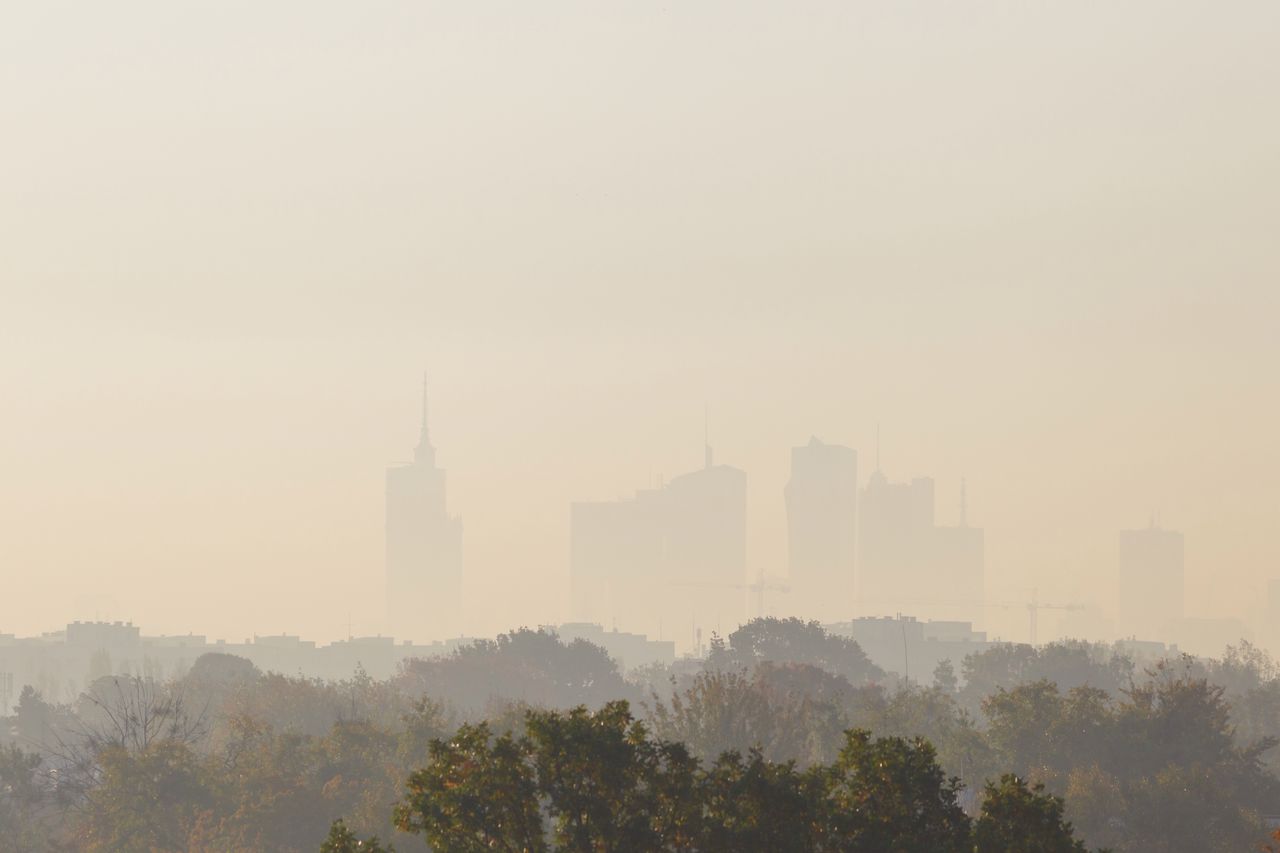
{"x":671,"y":560}
{"x":785,"y":599}
{"x":1035,"y":245}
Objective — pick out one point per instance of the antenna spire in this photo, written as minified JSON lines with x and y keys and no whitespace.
{"x":964,"y":504}
{"x":424,"y":452}
{"x":424,"y":403}
{"x":877,"y":446}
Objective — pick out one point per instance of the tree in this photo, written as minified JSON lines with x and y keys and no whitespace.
{"x":477,"y":793}
{"x":1022,"y":722}
{"x":944,"y":677}
{"x":147,"y":800}
{"x":533,"y":667}
{"x":27,"y":816}
{"x":607,"y":785}
{"x":793,"y":641}
{"x":343,"y":840}
{"x":36,"y":721}
{"x":787,"y":711}
{"x":889,"y":795}
{"x":757,"y":806}
{"x":1020,"y":819}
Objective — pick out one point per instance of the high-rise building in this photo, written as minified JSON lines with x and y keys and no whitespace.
{"x":423,"y":547}
{"x":906,"y":562}
{"x":821,"y":499}
{"x":1151,"y":582}
{"x":670,"y":561}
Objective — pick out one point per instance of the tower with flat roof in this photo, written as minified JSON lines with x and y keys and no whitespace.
{"x":821,"y":500}
{"x":1151,"y":583}
{"x":670,"y":561}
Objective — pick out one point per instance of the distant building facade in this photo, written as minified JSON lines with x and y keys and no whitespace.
{"x":62,"y":664}
{"x":423,"y":547}
{"x":1151,"y":597}
{"x":910,"y":648}
{"x":670,"y":561}
{"x":821,"y":499}
{"x":906,"y":562}
{"x":629,"y":650}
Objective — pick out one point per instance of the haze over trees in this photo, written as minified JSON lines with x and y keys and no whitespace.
{"x":772,"y":744}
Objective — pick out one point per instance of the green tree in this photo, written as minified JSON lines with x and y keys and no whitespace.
{"x":793,"y":641}
{"x":147,"y":800}
{"x":28,"y":820}
{"x":534,"y":667}
{"x":888,"y":795}
{"x":758,"y":806}
{"x":944,"y":677}
{"x":607,"y":785}
{"x":343,"y":840}
{"x":477,"y":793}
{"x":1020,"y":819}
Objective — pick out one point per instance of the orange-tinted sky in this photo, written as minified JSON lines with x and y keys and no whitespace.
{"x":1037,"y":243}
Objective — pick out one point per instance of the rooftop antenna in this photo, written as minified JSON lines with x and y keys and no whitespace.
{"x":424,"y":451}
{"x":424,"y":402}
{"x":964,"y":505}
{"x":877,"y":446}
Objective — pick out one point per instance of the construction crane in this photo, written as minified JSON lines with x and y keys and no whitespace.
{"x":1033,"y":606}
{"x":756,"y":588}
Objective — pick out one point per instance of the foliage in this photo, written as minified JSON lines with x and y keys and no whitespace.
{"x":1017,"y":818}
{"x":1068,"y":664}
{"x":582,"y":781}
{"x":771,"y":746}
{"x":532,"y":667}
{"x":27,"y":819}
{"x":792,"y":641}
{"x":889,"y":794}
{"x":343,"y":840}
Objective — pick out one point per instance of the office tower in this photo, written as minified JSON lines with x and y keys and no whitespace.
{"x":821,"y":501}
{"x":670,"y":562}
{"x":423,"y":547}
{"x":907,"y":563}
{"x":1151,"y":582}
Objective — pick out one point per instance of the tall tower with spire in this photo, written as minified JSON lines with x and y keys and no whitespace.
{"x":424,"y":453}
{"x":423,"y":547}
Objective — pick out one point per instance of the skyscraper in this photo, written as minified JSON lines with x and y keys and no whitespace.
{"x":906,"y":562}
{"x":821,"y":499}
{"x":1151,"y":582}
{"x":894,"y":545}
{"x":423,"y":547}
{"x":670,"y":561}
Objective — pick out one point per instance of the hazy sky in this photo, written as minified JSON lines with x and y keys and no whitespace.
{"x":1036,"y":242}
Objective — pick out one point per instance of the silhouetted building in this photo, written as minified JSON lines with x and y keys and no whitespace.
{"x":1151,"y":582}
{"x":670,"y":561}
{"x":911,"y":648}
{"x":424,"y":547}
{"x":821,"y":498}
{"x":616,"y":553}
{"x":629,"y":650}
{"x":1208,"y":636}
{"x":62,"y":664}
{"x":907,"y":562}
